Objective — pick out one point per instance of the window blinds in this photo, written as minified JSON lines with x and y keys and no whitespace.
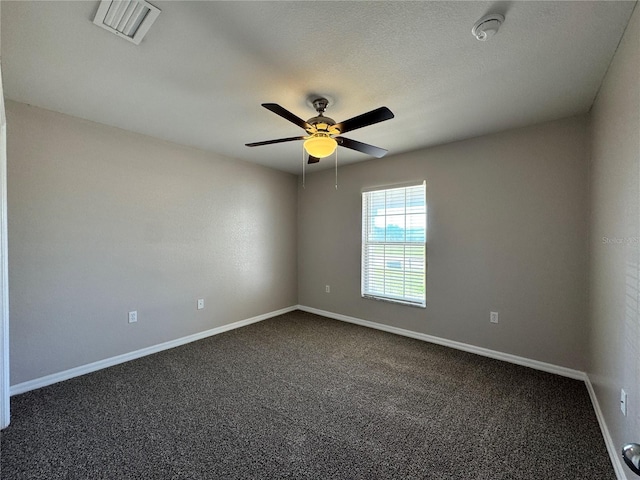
{"x":394,"y":227}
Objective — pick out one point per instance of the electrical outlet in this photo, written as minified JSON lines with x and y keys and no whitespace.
{"x":133,"y":316}
{"x":623,"y":402}
{"x":200,"y":303}
{"x":327,"y":289}
{"x":494,"y":317}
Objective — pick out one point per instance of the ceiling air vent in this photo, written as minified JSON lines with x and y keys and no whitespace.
{"x":130,"y":20}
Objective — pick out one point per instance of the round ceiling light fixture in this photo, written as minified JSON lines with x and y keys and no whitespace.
{"x":320,"y":145}
{"x":487,"y":26}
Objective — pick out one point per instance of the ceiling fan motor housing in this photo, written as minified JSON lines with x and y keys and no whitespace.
{"x":321,"y":124}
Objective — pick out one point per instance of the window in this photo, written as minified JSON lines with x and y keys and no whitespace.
{"x":394,"y":244}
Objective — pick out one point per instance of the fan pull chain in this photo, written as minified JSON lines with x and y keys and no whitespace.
{"x":336,"y":168}
{"x":303,"y":167}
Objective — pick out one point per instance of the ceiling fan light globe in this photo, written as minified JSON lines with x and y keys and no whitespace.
{"x":320,"y":146}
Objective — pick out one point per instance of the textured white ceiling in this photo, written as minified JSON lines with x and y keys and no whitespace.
{"x":199,"y":76}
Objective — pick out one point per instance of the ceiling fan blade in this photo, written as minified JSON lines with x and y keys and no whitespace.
{"x":374,"y":116}
{"x":269,"y":142}
{"x":313,"y":159}
{"x":361,"y":147}
{"x":284,"y":113}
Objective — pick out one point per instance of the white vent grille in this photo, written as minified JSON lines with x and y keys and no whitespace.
{"x":129,"y":19}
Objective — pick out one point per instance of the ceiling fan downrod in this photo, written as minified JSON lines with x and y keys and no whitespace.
{"x":320,"y":104}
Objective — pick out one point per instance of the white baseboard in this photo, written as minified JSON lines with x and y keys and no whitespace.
{"x":109,"y":362}
{"x":485,"y":352}
{"x":614,"y":454}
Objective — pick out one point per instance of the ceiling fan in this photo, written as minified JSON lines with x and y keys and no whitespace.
{"x":324,"y":133}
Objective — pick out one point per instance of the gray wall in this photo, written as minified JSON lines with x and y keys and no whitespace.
{"x":507,"y":232}
{"x":103,"y":221}
{"x":614,"y":360}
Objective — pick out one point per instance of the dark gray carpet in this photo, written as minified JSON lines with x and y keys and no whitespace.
{"x":303,"y":397}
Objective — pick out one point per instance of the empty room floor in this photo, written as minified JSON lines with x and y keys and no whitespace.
{"x":304,"y":397}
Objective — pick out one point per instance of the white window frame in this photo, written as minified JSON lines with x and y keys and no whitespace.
{"x":384,"y":283}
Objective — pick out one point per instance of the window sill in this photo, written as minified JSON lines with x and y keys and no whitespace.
{"x":396,"y":301}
